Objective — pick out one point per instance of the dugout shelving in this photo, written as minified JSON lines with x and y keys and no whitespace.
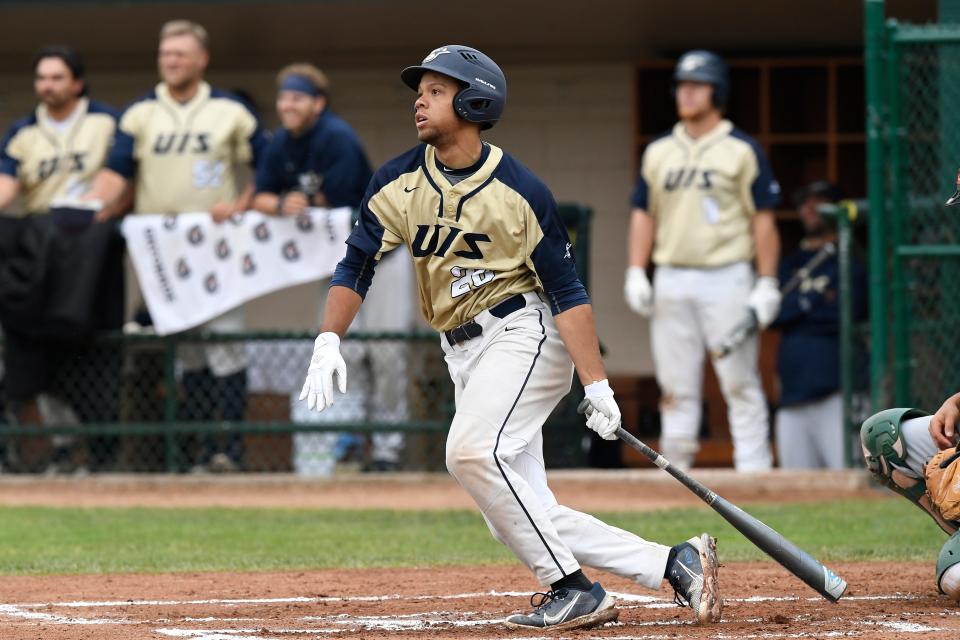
{"x":808,"y":115}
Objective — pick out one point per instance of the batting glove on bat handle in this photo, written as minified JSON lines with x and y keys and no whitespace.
{"x":764,"y":300}
{"x":601,"y":410}
{"x":324,"y":365}
{"x":637,"y":292}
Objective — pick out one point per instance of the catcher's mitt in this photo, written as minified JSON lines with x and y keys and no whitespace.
{"x":943,"y":482}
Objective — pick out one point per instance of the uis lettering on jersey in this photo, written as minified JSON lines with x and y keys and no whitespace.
{"x":688,"y":177}
{"x":421,"y":247}
{"x":68,"y":163}
{"x":181,"y":143}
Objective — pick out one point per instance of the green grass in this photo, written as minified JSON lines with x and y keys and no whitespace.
{"x":39,"y":540}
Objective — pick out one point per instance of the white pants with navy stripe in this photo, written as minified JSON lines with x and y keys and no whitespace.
{"x":507,"y":381}
{"x":693,"y":311}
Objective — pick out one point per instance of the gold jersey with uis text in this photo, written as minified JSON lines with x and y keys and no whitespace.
{"x":184,"y":156}
{"x":53,"y":160}
{"x":702,"y":193}
{"x":475,"y":242}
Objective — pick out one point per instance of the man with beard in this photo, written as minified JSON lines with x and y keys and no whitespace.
{"x":315,"y":159}
{"x":46,"y":159}
{"x":183,"y":145}
{"x":56,"y":150}
{"x":809,"y":422}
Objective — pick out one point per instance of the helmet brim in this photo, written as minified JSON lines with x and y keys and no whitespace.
{"x":411,"y":76}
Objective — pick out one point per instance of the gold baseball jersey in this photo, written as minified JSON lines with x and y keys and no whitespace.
{"x":703,"y":192}
{"x":474,"y":243}
{"x":53,"y":161}
{"x":183,"y":155}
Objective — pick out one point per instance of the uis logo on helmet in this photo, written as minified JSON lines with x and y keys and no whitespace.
{"x":433,"y":54}
{"x":692,"y":61}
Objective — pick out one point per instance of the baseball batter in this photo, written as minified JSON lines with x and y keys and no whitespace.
{"x":496,"y":277}
{"x":915,"y":455}
{"x":702,"y":210}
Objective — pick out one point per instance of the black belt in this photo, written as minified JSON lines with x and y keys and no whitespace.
{"x":470,"y":330}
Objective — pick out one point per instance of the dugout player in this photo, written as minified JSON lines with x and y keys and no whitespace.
{"x":904,"y":449}
{"x":809,"y":421}
{"x":702,"y":211}
{"x":496,"y":277}
{"x":48,"y":156}
{"x":55,"y":151}
{"x":183,"y":145}
{"x":316,"y":159}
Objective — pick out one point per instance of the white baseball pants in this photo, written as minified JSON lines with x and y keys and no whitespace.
{"x":694,"y":310}
{"x":507,"y":382}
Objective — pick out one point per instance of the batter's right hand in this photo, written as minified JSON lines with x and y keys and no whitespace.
{"x":325,"y":363}
{"x":637,"y":291}
{"x":943,"y":425}
{"x":603,"y":414}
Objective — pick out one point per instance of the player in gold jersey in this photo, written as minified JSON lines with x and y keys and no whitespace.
{"x":55,"y":151}
{"x":702,"y":211}
{"x":183,"y":146}
{"x":496,"y":277}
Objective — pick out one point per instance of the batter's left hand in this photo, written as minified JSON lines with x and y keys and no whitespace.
{"x":764,"y":300}
{"x":603,"y":414}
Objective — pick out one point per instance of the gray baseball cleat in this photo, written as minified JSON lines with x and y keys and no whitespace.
{"x":693,"y":576}
{"x":567,"y":609}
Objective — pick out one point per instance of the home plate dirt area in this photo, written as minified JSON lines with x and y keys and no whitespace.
{"x":762,"y":601}
{"x":885,"y":600}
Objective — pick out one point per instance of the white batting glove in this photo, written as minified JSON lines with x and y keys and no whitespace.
{"x":603,"y":414}
{"x":637,"y":292}
{"x":765,"y":300}
{"x":325,"y":363}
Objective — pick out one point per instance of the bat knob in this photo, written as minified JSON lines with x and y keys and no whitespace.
{"x":583,"y":407}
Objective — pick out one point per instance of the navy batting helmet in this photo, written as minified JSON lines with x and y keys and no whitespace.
{"x":704,"y":66}
{"x":484,"y":95}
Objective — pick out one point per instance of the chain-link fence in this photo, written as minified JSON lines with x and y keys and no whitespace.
{"x":915,"y":249}
{"x":144,"y":403}
{"x":230,"y":402}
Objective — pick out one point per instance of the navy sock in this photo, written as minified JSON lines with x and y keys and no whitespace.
{"x":575,"y":580}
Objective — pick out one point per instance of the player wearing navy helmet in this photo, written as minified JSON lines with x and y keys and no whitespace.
{"x":702,"y":211}
{"x":496,"y":277}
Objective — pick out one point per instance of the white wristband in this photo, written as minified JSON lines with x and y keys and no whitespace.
{"x":599,"y":389}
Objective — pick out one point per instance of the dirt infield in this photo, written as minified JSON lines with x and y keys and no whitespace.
{"x":885,"y":600}
{"x":762,"y":601}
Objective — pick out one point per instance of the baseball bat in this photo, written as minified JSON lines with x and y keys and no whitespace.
{"x":749,"y":326}
{"x":793,"y":558}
